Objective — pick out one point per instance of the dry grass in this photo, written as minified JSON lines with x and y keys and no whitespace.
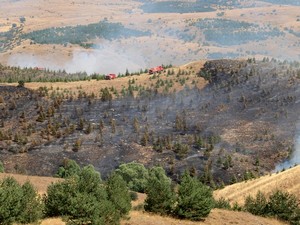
{"x":286,"y":181}
{"x":216,"y":217}
{"x":40,"y":183}
{"x":94,"y":86}
{"x":53,"y":221}
{"x":63,"y":13}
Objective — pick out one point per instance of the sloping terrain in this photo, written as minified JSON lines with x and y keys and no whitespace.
{"x":216,"y":217}
{"x":287,"y":180}
{"x":240,"y":125}
{"x":40,"y":183}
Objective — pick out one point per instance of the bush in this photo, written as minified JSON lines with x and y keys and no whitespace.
{"x":135,"y":175}
{"x":19,"y":204}
{"x":222,"y":203}
{"x":195,"y":199}
{"x":69,"y":169}
{"x":257,"y":206}
{"x":282,"y":205}
{"x":133,"y":195}
{"x":1,"y":167}
{"x":81,"y":199}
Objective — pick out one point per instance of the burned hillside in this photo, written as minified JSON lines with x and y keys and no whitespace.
{"x":240,"y":125}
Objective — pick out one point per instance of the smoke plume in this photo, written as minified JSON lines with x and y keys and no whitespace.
{"x":107,"y":57}
{"x":295,"y":156}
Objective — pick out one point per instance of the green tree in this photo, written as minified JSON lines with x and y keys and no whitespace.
{"x":282,"y":205}
{"x":105,"y":95}
{"x":160,"y":196}
{"x":19,"y":204}
{"x":31,"y":204}
{"x":10,"y":195}
{"x":69,"y":169}
{"x":195,"y":199}
{"x":21,"y":83}
{"x":1,"y":167}
{"x":81,"y":199}
{"x":135,"y":175}
{"x":118,"y":194}
{"x":222,"y":203}
{"x":257,"y":206}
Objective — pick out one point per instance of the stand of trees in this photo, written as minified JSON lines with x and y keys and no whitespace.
{"x":84,"y":198}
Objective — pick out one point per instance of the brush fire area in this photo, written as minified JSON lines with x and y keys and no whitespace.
{"x":238,"y":126}
{"x":149,"y":112}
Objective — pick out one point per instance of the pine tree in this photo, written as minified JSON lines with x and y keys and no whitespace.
{"x":257,"y":206}
{"x":69,"y":169}
{"x":19,"y":204}
{"x":118,"y":194}
{"x":282,"y":205}
{"x":160,"y":196}
{"x":195,"y":200}
{"x":81,"y":199}
{"x":10,"y":195}
{"x":31,"y":203}
{"x":135,"y":175}
{"x":1,"y":167}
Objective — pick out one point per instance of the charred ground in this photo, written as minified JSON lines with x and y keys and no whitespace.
{"x":240,"y":125}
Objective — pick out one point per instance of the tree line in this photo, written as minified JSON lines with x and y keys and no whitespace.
{"x":82,"y":197}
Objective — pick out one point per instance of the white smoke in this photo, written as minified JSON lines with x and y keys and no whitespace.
{"x":25,"y":60}
{"x":107,"y":57}
{"x":295,"y":156}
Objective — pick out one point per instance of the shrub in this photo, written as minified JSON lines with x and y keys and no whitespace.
{"x":21,"y":83}
{"x":1,"y":167}
{"x":69,"y":169}
{"x":133,"y":195}
{"x":282,"y":205}
{"x":257,"y":206}
{"x":81,"y":200}
{"x":222,"y":203}
{"x":135,"y":175}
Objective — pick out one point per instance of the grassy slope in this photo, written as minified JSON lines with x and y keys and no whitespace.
{"x":40,"y":183}
{"x":288,"y":181}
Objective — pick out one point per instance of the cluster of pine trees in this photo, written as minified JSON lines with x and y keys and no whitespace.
{"x":82,"y":197}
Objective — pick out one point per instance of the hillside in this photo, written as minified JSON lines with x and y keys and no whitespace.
{"x":40,"y":183}
{"x":287,"y":180}
{"x":216,"y":217}
{"x":239,"y":123}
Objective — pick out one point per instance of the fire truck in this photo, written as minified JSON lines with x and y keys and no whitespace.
{"x":110,"y":76}
{"x":156,"y":70}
